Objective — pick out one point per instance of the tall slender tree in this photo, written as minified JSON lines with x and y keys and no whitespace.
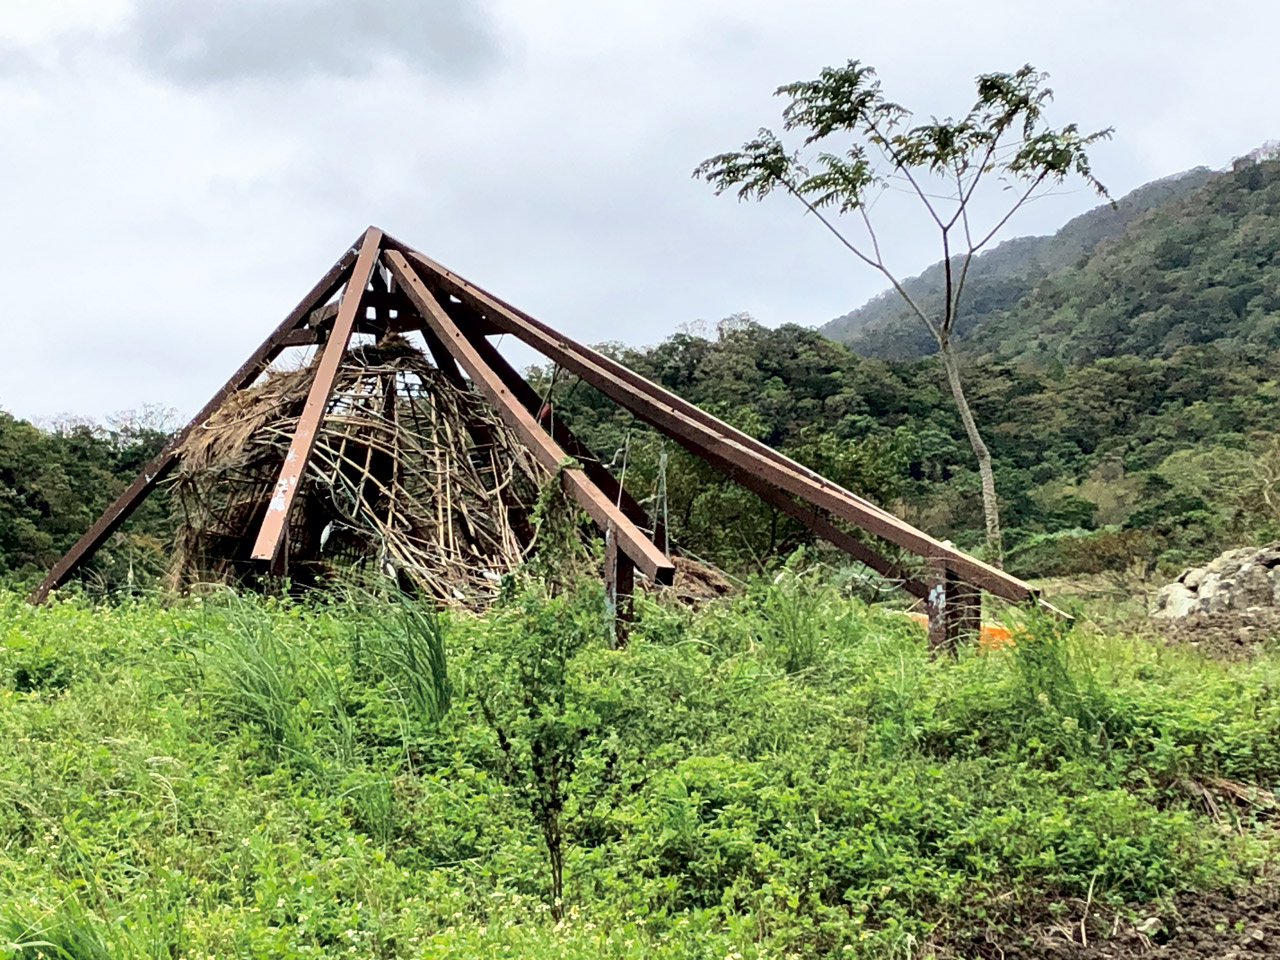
{"x":856,"y":144}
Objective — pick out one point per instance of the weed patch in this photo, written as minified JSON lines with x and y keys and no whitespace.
{"x":786,"y":773}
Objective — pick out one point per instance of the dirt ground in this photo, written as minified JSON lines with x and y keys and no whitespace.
{"x":1230,"y":635}
{"x":1196,"y":927}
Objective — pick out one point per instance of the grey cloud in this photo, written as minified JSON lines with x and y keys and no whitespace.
{"x":198,"y":44}
{"x":15,"y":62}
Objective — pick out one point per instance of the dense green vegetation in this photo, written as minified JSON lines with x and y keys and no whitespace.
{"x":999,"y":278}
{"x":784,"y":774}
{"x":54,"y":484}
{"x":1120,"y":463}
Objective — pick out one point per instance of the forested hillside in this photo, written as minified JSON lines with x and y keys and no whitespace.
{"x":1203,"y":269}
{"x":1117,"y":462}
{"x":1104,"y":465}
{"x":1192,"y":259}
{"x":1000,"y":277}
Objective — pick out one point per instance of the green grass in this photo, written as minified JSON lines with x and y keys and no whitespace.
{"x":788,"y":774}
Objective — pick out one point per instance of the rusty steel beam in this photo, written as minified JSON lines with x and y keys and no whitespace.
{"x":442,"y":357}
{"x":631,"y":540}
{"x":455,"y":285}
{"x":380,"y":300}
{"x":321,"y":315}
{"x":563,"y":435}
{"x":707,"y":437}
{"x":275,"y":523}
{"x":163,"y":463}
{"x":502,"y":317}
{"x":303,"y":337}
{"x":452,"y":283}
{"x":475,"y":322}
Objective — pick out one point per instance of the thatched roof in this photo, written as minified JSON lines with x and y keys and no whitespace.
{"x":411,"y":475}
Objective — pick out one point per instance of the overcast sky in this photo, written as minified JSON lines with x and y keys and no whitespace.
{"x":175,"y":175}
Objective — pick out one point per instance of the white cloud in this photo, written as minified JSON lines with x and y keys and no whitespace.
{"x":177,"y":175}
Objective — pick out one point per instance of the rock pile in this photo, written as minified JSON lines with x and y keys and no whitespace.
{"x":1239,"y":581}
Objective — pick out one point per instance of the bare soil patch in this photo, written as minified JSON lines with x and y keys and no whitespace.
{"x":1228,"y":635}
{"x":1216,"y":926}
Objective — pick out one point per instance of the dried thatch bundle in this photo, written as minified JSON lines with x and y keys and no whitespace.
{"x":411,"y":474}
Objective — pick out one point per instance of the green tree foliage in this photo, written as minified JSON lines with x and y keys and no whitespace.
{"x":1003,"y":138}
{"x":55,"y":483}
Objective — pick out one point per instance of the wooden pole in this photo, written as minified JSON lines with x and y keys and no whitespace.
{"x":954,"y":608}
{"x":619,"y":588}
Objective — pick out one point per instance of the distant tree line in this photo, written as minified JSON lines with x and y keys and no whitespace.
{"x":1119,"y":463}
{"x":56,"y":480}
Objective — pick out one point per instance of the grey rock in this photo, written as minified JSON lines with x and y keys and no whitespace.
{"x":1209,"y":585}
{"x":1255,"y":584}
{"x":1235,"y":581}
{"x":1175,"y":601}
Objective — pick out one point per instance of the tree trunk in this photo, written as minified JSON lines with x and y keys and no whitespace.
{"x":990,"y":506}
{"x":555,"y":854}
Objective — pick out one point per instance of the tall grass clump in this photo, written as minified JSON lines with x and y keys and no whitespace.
{"x":797,"y":615}
{"x":408,"y":649}
{"x":1055,"y":684}
{"x":262,"y":669}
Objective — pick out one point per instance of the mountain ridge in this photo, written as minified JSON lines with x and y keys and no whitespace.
{"x":999,"y":278}
{"x":1200,"y":270}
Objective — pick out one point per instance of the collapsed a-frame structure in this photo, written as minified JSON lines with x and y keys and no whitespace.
{"x":381,"y":287}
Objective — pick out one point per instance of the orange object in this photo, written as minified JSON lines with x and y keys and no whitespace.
{"x":992,"y":636}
